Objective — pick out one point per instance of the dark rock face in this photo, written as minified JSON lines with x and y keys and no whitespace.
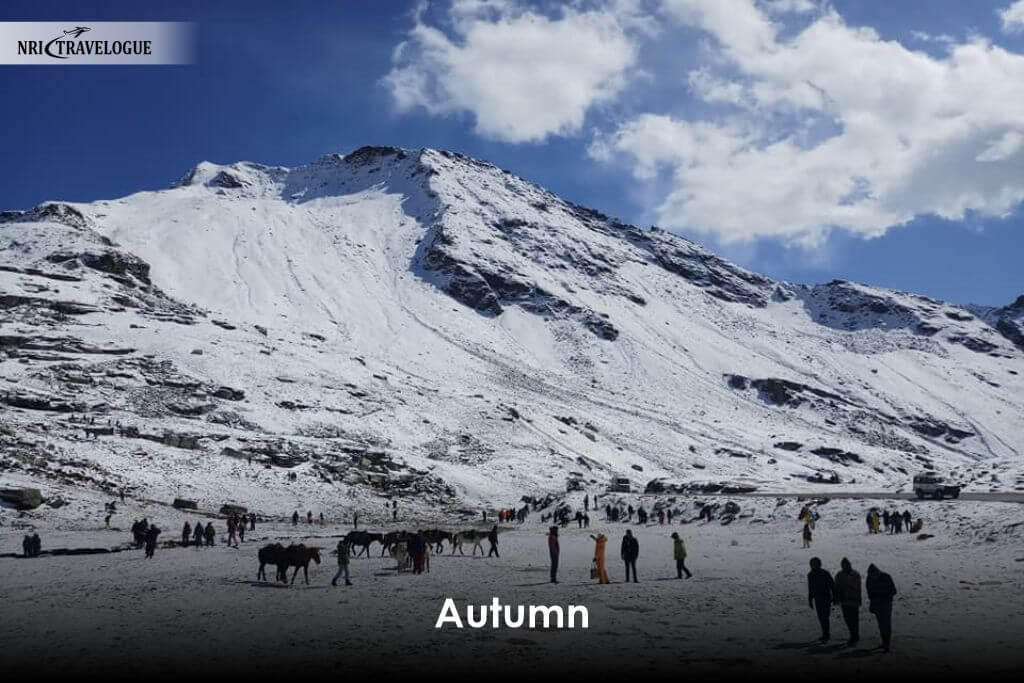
{"x":183,"y":504}
{"x":108,"y":261}
{"x":780,"y":392}
{"x":934,"y":428}
{"x":718,"y":277}
{"x":837,"y":455}
{"x":789,"y":445}
{"x":974,"y":344}
{"x":229,"y":394}
{"x":22,"y":499}
{"x":370,"y":154}
{"x":225,"y":180}
{"x":487,"y":289}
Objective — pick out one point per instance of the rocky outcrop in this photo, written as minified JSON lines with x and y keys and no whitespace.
{"x":22,"y":499}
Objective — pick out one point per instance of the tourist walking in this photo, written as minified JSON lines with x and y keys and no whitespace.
{"x":848,"y":597}
{"x":679,"y":552}
{"x":881,"y":590}
{"x":820,"y":595}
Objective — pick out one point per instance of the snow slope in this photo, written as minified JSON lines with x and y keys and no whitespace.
{"x":428,"y":326}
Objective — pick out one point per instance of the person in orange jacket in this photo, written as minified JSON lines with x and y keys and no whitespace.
{"x":600,"y":541}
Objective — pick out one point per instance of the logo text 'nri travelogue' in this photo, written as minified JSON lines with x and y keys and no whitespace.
{"x":104,"y":42}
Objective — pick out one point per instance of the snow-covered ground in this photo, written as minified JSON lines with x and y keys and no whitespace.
{"x":745,"y":611}
{"x":430,"y":328}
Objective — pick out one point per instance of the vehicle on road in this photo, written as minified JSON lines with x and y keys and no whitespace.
{"x":620,"y":485}
{"x":930,"y":485}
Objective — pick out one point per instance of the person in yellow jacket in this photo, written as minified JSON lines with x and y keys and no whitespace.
{"x":600,"y":541}
{"x":679,"y":552}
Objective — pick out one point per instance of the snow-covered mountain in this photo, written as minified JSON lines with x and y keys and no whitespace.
{"x":424,"y":325}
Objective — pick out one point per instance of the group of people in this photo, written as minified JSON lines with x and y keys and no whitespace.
{"x":824,"y":591}
{"x":615,"y":514}
{"x":893,"y":522}
{"x":295,"y":518}
{"x":32,"y":545}
{"x":145,"y":534}
{"x":512,"y":514}
{"x":236,"y":527}
{"x":629,"y":553}
{"x":201,"y":535}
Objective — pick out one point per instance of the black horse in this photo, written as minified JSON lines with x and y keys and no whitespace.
{"x":363,"y":540}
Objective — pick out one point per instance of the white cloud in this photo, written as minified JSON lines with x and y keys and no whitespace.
{"x":833,"y":127}
{"x":1013,"y":17}
{"x":788,"y":6}
{"x":523,"y":75}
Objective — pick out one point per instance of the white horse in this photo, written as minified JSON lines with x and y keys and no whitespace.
{"x":472,"y":536}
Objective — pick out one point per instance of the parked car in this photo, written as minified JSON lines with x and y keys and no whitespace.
{"x":932,"y":485}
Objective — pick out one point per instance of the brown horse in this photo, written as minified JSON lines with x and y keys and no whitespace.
{"x":297,"y":556}
{"x":272,"y":554}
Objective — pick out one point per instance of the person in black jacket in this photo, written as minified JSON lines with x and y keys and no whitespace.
{"x":820,"y":594}
{"x":492,"y":537}
{"x":553,"y":551}
{"x":881,"y":590}
{"x":630,"y":551}
{"x":847,"y":594}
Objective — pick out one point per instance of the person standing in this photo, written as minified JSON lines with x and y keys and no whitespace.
{"x":586,"y":503}
{"x":197,"y":534}
{"x":252,"y":521}
{"x":37,"y":545}
{"x":492,"y":537}
{"x":881,"y":590}
{"x":26,"y":545}
{"x":679,"y":552}
{"x":355,"y":520}
{"x":186,"y":534}
{"x":232,"y":522}
{"x":210,"y":534}
{"x":417,"y":547}
{"x":847,"y":594}
{"x":151,"y":534}
{"x":343,"y":554}
{"x":553,"y":551}
{"x":600,"y":541}
{"x":630,"y":551}
{"x":820,"y":595}
{"x":295,"y":518}
{"x":807,"y":535}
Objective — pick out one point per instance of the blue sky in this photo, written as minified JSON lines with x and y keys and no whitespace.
{"x":872,"y":141}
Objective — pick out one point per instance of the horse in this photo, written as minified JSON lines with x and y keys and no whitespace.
{"x":437,"y":537}
{"x":297,"y":556}
{"x":393,"y":537}
{"x":272,"y":554}
{"x":363,"y":539}
{"x":472,"y":536}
